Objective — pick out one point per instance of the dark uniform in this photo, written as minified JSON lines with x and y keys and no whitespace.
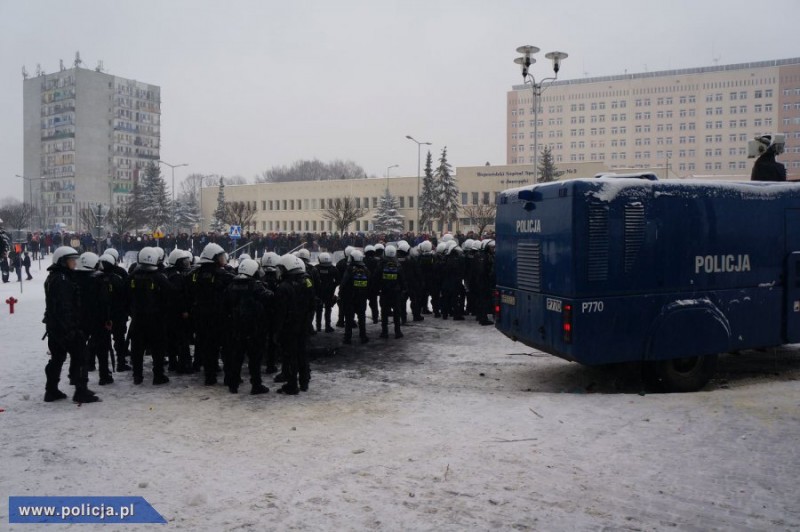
{"x":95,"y":293}
{"x":289,"y":321}
{"x":118,"y":279}
{"x":426,"y":264}
{"x":341,"y":267}
{"x":328,"y":281}
{"x":149,"y":291}
{"x":766,"y":168}
{"x":452,"y":287}
{"x":207,"y":285}
{"x":372,"y":262}
{"x":63,"y":323}
{"x":388,"y":281}
{"x":353,"y":293}
{"x":245,"y":302}
{"x":178,"y":325}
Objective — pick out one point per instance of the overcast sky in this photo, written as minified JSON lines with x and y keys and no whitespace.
{"x":247,"y":85}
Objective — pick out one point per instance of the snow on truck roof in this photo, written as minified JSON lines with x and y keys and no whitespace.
{"x":607,"y":189}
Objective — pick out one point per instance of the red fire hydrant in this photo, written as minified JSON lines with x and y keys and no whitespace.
{"x":11,"y":301}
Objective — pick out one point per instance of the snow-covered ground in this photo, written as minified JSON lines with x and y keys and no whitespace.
{"x":453,"y":427}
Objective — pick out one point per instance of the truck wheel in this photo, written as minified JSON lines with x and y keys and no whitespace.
{"x":688,"y":374}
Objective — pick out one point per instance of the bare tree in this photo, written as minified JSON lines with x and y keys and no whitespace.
{"x":239,"y":213}
{"x":313,"y":170}
{"x":17,"y":215}
{"x":122,"y":218}
{"x":342,"y":212}
{"x":480,"y":215}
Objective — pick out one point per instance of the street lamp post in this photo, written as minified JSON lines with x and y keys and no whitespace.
{"x":387,"y":173}
{"x":419,"y":152}
{"x":536,"y":90}
{"x":173,"y":166}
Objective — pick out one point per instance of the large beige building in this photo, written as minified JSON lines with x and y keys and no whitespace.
{"x":695,"y":122}
{"x":299,"y":206}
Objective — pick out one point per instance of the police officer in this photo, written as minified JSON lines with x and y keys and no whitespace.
{"x":207,"y":285}
{"x":178,"y":306}
{"x":245,"y":303}
{"x":62,"y":320}
{"x":118,"y":278}
{"x":452,"y":287}
{"x":766,"y":168}
{"x":353,"y":293}
{"x":388,"y":281}
{"x":149,"y":291}
{"x":292,"y":324}
{"x":328,"y":281}
{"x":371,"y":261}
{"x":5,"y":249}
{"x":271,"y":277}
{"x":484,"y":279}
{"x":425,"y":263}
{"x":411,"y":276}
{"x":304,"y":255}
{"x":341,"y":267}
{"x":469,"y":280}
{"x":95,"y":294}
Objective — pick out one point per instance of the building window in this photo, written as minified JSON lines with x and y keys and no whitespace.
{"x":411,"y":202}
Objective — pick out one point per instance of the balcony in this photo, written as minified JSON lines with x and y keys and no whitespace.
{"x":62,"y":135}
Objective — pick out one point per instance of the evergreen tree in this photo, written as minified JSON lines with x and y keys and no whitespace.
{"x":446,"y":191}
{"x":427,"y":200}
{"x":547,"y":167}
{"x":387,"y":219}
{"x":136,"y":204}
{"x":218,"y":222}
{"x":186,"y":214}
{"x":155,"y":203}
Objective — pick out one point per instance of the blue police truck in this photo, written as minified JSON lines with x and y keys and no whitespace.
{"x":669,"y":273}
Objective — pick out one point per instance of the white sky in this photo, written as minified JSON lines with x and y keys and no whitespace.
{"x":246,"y":85}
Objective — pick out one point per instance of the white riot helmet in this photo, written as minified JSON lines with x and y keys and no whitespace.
{"x":177,"y":254}
{"x":108,"y":258}
{"x":211,"y":252}
{"x":114,"y":253}
{"x":487,"y":244}
{"x":476,"y":245}
{"x":148,"y":258}
{"x":425,"y":246}
{"x":64,"y":253}
{"x":348,"y":250}
{"x":467,"y":244}
{"x":390,"y":251}
{"x":243,"y":257}
{"x":292,"y":264}
{"x":379,"y":248}
{"x":451,"y":245}
{"x":88,"y":262}
{"x":161,"y":254}
{"x":270,"y":260}
{"x":441,"y":247}
{"x":403,"y":246}
{"x":369,"y":249}
{"x":357,"y":255}
{"x":303,"y":254}
{"x":248,"y":267}
{"x":447,"y":238}
{"x":325,"y":258}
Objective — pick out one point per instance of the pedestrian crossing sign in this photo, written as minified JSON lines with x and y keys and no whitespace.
{"x":235,"y":231}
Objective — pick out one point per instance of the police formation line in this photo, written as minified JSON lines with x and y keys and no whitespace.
{"x":263,"y":311}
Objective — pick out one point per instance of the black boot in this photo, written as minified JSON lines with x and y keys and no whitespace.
{"x":106,"y":379}
{"x":280,"y":377}
{"x":54,"y":395}
{"x":160,"y":379}
{"x":138,"y":379}
{"x":258,"y":389}
{"x":84,"y":395}
{"x":288,"y":390}
{"x":122,"y":366}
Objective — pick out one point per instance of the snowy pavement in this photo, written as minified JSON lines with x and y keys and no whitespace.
{"x":454,"y":427}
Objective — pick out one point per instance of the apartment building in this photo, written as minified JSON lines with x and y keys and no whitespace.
{"x":694,"y":122}
{"x":87,"y":136}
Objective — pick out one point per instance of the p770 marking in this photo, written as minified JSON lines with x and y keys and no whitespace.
{"x":588,"y":307}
